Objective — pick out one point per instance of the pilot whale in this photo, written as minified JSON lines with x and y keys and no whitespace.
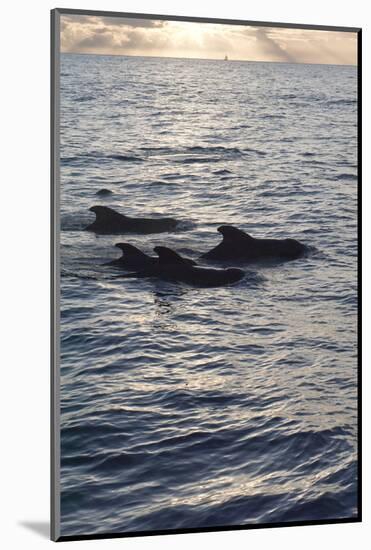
{"x":110,"y":222}
{"x":173,"y":267}
{"x":103,"y":192}
{"x":238,"y":245}
{"x":133,"y":258}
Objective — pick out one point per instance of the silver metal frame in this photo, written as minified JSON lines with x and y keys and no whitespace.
{"x":55,"y":491}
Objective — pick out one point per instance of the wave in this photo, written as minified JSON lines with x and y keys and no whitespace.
{"x":201,"y":149}
{"x":288,"y":96}
{"x":84,"y":158}
{"x":159,"y":183}
{"x":85,"y":98}
{"x":327,"y":505}
{"x":184,"y":407}
{"x":341,"y":102}
{"x":78,"y":275}
{"x":183,"y":460}
{"x":345,"y":176}
{"x":126,"y":158}
{"x":184,"y":155}
{"x":256,"y":151}
{"x":222,"y":172}
{"x":215,"y":149}
{"x":273,"y":116}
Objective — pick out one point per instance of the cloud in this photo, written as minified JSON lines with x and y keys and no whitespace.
{"x":271,"y":48}
{"x":113,"y":21}
{"x":313,"y":46}
{"x":131,"y":22}
{"x":110,"y":35}
{"x":127,"y":36}
{"x":96,"y":41}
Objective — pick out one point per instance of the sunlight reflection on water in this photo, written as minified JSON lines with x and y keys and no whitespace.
{"x":185,"y":407}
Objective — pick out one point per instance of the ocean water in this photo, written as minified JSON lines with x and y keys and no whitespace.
{"x":184,"y":407}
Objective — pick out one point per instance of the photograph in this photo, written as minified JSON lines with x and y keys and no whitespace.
{"x":206,"y":194}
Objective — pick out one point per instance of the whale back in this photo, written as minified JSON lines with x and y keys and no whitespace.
{"x":131,"y":257}
{"x":108,"y":221}
{"x":234,"y":234}
{"x":104,"y":214}
{"x":131,"y":252}
{"x":103,"y":192}
{"x":167,"y":256}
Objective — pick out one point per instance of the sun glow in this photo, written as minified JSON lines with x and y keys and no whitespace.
{"x":126,"y":36}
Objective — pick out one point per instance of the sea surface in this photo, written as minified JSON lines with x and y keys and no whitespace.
{"x":184,"y":407}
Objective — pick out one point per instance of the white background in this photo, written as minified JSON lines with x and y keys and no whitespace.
{"x":24,"y":219}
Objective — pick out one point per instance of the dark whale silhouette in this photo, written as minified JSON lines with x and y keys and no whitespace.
{"x":110,"y":222}
{"x":103,"y":192}
{"x":238,"y":245}
{"x":133,"y":258}
{"x":172,"y":267}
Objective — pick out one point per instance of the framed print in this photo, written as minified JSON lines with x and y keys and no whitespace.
{"x":205,"y":274}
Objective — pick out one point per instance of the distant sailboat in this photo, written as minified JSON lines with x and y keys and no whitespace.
{"x":226,"y":58}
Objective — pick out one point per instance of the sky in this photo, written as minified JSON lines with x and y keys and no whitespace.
{"x":145,"y":37}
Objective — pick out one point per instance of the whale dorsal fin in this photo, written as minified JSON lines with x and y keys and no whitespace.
{"x":231,"y":233}
{"x":105,"y":214}
{"x":168,"y":256}
{"x":131,"y":251}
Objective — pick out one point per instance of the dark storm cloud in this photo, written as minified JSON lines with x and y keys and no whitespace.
{"x":106,"y":40}
{"x":119,"y":21}
{"x":270,"y":48}
{"x":83,"y":19}
{"x":102,"y":40}
{"x":136,"y":40}
{"x":132,"y":22}
{"x":116,"y":35}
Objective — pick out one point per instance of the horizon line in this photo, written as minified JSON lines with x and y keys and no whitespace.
{"x":211,"y":59}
